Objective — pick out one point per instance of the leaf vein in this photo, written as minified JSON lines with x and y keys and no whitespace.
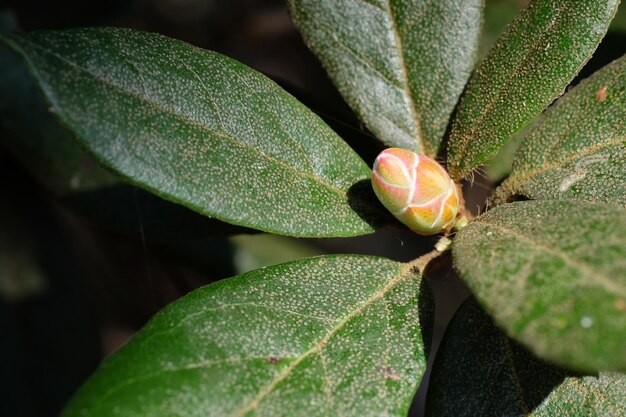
{"x":415,"y":116}
{"x":406,"y":272}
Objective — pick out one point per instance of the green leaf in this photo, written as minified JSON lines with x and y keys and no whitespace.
{"x":199,"y":129}
{"x":552,"y":273}
{"x":577,"y":149}
{"x":480,"y":372}
{"x":400,"y":64}
{"x":334,"y":335}
{"x":530,"y":65}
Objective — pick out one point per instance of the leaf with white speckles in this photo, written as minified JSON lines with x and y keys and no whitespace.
{"x":480,"y":372}
{"x":553,"y":274}
{"x":530,"y":65}
{"x":200,"y":129}
{"x":577,"y":149}
{"x":334,"y":335}
{"x":400,"y":64}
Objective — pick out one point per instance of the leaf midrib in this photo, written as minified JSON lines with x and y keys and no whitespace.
{"x":415,"y":116}
{"x":174,"y":114}
{"x":405,"y":272}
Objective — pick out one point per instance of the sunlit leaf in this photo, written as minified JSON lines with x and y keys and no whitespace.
{"x":528,"y":67}
{"x":553,"y":275}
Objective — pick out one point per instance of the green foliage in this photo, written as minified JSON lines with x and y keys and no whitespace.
{"x":552,"y":274}
{"x":94,"y":113}
{"x":276,"y":341}
{"x":244,"y":151}
{"x":576,"y":150}
{"x":528,"y":67}
{"x":400,"y":64}
{"x":480,"y":372}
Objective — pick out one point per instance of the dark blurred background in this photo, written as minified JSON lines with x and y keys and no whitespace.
{"x":81,"y":272}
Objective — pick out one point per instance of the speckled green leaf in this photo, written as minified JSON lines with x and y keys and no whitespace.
{"x":480,"y":372}
{"x":334,"y":335}
{"x":199,"y":129}
{"x":400,"y":64}
{"x":529,"y":66}
{"x":577,"y":150}
{"x":553,"y":274}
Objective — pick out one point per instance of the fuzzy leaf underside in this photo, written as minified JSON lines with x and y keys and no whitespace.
{"x":480,"y":372}
{"x":528,"y":67}
{"x":552,"y":274}
{"x":400,"y":64}
{"x":577,"y":149}
{"x":199,"y":129}
{"x":334,"y":335}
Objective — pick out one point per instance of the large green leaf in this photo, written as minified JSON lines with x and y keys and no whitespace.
{"x":334,"y":335}
{"x":577,"y":149}
{"x":480,"y":372}
{"x":400,"y":64}
{"x":553,"y":274}
{"x":199,"y":129}
{"x":529,"y":66}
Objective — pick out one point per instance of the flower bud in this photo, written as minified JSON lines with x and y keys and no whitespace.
{"x":416,"y":190}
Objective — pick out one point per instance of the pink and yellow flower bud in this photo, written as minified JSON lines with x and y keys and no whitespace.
{"x":416,"y":190}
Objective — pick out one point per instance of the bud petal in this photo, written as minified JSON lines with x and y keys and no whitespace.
{"x":416,"y":190}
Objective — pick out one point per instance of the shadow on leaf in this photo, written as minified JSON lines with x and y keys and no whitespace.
{"x":364,"y":202}
{"x":479,"y":371}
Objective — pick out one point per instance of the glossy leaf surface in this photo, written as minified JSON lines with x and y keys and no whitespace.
{"x":334,"y":335}
{"x":480,"y":372}
{"x":199,"y":129}
{"x":577,"y":149}
{"x":528,"y":67}
{"x":552,"y":273}
{"x":400,"y":64}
